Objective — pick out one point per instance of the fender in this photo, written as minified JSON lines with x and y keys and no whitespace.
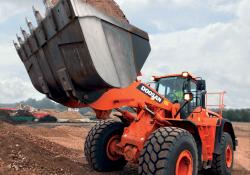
{"x":192,"y":128}
{"x":224,"y":125}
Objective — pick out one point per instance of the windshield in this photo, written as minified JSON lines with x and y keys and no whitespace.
{"x":172,"y":88}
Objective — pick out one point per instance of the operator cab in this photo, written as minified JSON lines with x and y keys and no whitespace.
{"x":174,"y":87}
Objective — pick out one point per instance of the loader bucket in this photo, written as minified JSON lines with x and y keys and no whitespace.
{"x":78,"y":52}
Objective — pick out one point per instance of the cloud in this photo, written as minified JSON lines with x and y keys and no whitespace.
{"x":175,"y":15}
{"x":12,"y":8}
{"x":6,"y":8}
{"x":15,"y":90}
{"x":14,"y":81}
{"x":219,"y":52}
{"x":15,"y":84}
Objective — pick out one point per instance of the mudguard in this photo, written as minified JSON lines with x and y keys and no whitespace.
{"x":225,"y":126}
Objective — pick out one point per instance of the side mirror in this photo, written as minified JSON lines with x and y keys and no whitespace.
{"x":201,"y":85}
{"x":203,"y":92}
{"x":188,"y":96}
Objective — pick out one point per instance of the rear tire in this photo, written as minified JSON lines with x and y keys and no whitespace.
{"x":169,"y":151}
{"x":223,"y":163}
{"x":96,"y":146}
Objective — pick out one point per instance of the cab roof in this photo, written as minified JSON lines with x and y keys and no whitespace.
{"x":183,"y":74}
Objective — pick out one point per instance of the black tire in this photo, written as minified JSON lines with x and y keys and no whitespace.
{"x":162,"y":149}
{"x":219,"y":166}
{"x":96,"y":144}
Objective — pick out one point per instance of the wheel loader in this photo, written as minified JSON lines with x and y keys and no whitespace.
{"x":87,"y":54}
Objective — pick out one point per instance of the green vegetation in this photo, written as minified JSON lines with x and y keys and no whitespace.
{"x":239,"y":115}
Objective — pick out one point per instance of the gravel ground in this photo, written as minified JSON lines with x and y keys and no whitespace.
{"x":55,"y":149}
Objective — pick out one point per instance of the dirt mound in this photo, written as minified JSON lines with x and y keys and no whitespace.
{"x":22,"y":153}
{"x":109,"y":7}
{"x":25,"y":152}
{"x":62,"y":135}
{"x":64,"y":115}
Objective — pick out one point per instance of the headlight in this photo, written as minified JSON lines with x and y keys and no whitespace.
{"x":185,"y":74}
{"x":152,"y":78}
{"x":188,"y":96}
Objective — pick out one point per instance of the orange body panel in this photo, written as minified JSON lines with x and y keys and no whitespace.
{"x":129,"y":96}
{"x":135,"y":135}
{"x":207,"y":129}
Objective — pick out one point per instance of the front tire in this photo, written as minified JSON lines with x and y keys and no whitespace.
{"x":103,"y":135}
{"x":169,"y":151}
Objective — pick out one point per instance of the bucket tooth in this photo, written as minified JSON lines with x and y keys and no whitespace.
{"x":30,"y":25}
{"x":38,"y":15}
{"x":48,"y":5}
{"x":20,"y":40}
{"x":25,"y":34}
{"x":78,"y":52}
{"x":16,"y":45}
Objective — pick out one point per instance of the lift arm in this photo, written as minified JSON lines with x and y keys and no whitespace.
{"x":136,"y":95}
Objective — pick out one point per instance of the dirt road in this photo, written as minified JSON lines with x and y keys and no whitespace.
{"x":242,"y":155}
{"x":54,"y":149}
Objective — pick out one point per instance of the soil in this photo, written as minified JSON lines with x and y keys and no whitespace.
{"x":64,"y":115}
{"x":242,"y":155}
{"x":110,"y":7}
{"x":23,"y":152}
{"x":55,"y":149}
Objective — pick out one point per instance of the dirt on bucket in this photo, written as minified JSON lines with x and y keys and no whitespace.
{"x":109,"y":7}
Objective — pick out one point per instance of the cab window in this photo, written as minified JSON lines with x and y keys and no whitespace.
{"x":197,"y":98}
{"x":172,"y":88}
{"x":162,"y":89}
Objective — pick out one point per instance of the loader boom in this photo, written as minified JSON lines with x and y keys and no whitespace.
{"x":137,"y":94}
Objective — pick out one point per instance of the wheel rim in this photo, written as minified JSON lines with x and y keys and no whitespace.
{"x":112,"y":147}
{"x":184,"y":164}
{"x":229,"y":156}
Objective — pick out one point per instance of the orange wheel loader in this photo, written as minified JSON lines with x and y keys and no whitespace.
{"x":80,"y":55}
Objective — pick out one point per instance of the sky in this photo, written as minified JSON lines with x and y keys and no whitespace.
{"x":209,"y":38}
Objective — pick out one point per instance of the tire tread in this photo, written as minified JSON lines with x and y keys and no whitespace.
{"x":164,"y":140}
{"x":92,"y":145}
